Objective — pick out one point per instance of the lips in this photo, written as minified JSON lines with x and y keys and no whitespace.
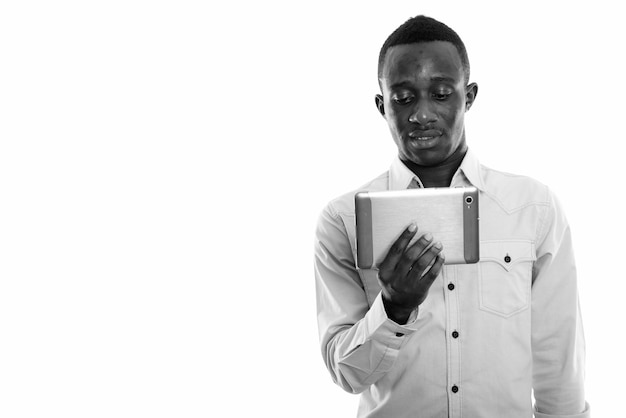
{"x":425,"y":135}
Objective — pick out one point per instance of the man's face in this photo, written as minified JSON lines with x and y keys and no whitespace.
{"x":424,"y":100}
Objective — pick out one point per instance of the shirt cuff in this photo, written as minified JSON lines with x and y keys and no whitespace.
{"x":585,"y":414}
{"x":383,"y":329}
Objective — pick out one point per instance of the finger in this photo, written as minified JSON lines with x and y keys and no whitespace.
{"x":412,"y":254}
{"x":426,"y":259}
{"x":387,"y":267}
{"x":427,"y":280}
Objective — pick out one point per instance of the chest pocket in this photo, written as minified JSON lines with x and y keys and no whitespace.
{"x":505,"y":276}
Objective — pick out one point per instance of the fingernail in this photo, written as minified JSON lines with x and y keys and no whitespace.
{"x":412,"y":228}
{"x":437,"y":245}
{"x":428,"y":236}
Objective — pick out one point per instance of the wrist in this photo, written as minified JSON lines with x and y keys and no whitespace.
{"x":397,"y":313}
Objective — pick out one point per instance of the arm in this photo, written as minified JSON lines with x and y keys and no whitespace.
{"x":557,"y":334}
{"x":359,"y":343}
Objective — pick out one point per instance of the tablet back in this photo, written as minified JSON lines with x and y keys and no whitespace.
{"x":449,"y":214}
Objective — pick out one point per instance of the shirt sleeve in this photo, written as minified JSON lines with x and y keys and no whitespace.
{"x":558,"y":342}
{"x":359,"y":343}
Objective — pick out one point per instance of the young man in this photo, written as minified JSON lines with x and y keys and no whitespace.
{"x":460,"y":340}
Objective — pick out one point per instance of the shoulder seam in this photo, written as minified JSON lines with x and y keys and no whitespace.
{"x":332,"y":211}
{"x":542,"y":228}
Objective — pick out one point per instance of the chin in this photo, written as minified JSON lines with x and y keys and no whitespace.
{"x":427,"y":158}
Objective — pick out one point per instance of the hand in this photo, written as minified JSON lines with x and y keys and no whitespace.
{"x":406,"y":274}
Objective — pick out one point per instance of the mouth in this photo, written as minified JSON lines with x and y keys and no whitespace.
{"x":425,"y":135}
{"x":419,"y":139}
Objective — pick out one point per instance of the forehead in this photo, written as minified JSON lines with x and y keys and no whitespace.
{"x":420,"y":60}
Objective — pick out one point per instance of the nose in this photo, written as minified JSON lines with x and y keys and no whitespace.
{"x":422,"y":113}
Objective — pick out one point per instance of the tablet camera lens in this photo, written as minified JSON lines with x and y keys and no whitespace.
{"x":469,"y":200}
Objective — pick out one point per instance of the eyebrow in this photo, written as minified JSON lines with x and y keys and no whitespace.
{"x":439,"y":78}
{"x":443,"y":78}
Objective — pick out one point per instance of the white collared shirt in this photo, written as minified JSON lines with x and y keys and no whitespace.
{"x":487,"y":334}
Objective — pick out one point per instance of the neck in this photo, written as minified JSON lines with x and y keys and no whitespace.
{"x":439,"y":175}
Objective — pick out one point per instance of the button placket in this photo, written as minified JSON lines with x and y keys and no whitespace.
{"x":452,"y":299}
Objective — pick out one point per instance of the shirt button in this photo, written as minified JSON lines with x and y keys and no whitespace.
{"x":507,"y":259}
{"x":399,"y":334}
{"x":450,"y":286}
{"x":455,"y":334}
{"x":455,"y":389}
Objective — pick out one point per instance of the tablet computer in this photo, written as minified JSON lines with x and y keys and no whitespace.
{"x":449,"y":214}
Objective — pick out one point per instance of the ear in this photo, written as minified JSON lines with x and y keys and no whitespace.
{"x":471,"y":91}
{"x":380,"y":104}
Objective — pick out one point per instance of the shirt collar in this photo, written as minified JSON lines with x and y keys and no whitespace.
{"x":469,"y":173}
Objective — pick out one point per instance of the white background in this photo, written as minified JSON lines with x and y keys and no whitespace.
{"x":163,"y":163}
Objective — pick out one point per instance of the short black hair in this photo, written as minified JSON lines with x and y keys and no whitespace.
{"x":424,"y":29}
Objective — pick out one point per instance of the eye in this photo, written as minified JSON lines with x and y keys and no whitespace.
{"x":441,"y":96}
{"x":403,"y":100}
